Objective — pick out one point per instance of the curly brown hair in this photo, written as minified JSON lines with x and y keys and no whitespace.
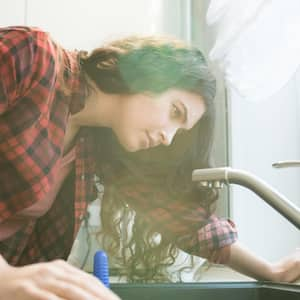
{"x":149,"y":64}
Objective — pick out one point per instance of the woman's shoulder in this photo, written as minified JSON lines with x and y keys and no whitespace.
{"x":18,"y":32}
{"x":27,"y":43}
{"x":28,"y":57}
{"x":26,"y":38}
{"x":20,"y":28}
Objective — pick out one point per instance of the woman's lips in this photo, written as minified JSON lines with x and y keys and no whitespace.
{"x":151,"y":141}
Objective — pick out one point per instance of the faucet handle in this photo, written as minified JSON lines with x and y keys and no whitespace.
{"x":286,"y":164}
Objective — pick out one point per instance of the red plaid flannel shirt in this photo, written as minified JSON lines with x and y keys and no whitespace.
{"x":33,"y":117}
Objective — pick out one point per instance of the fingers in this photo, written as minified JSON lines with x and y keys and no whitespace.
{"x":65,"y":290}
{"x":3,"y":263}
{"x":65,"y":280}
{"x":30,"y":291}
{"x":89,"y":283}
{"x":289,"y":267}
{"x":70,"y":291}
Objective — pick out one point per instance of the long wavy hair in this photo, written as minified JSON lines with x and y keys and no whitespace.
{"x":154,"y":65}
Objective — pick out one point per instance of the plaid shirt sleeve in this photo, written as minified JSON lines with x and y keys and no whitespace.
{"x":31,"y":133}
{"x":186,"y":222}
{"x":24,"y":64}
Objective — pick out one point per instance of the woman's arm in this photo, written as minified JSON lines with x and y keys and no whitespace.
{"x":244,"y":261}
{"x":30,"y":143}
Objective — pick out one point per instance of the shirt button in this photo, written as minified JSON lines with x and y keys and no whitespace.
{"x":81,"y":139}
{"x":82,"y":177}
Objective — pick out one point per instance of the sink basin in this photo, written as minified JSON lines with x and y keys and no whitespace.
{"x":208,"y":291}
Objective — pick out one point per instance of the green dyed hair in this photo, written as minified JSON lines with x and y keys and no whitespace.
{"x":149,"y":64}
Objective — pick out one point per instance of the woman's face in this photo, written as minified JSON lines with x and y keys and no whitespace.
{"x":146,"y":121}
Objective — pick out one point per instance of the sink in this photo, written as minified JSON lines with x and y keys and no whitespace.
{"x":208,"y":291}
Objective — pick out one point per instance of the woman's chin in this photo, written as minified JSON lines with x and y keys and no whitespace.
{"x":130,"y":147}
{"x":133,"y":144}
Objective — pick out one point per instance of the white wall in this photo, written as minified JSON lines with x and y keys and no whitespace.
{"x":263,"y":133}
{"x":12,"y":12}
{"x":84,"y":24}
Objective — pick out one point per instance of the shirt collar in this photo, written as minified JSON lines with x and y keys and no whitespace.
{"x":76,"y":82}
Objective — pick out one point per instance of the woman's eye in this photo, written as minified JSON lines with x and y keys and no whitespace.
{"x":176,"y":113}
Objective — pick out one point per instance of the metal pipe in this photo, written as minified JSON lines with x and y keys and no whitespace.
{"x":286,"y":164}
{"x":265,"y":191}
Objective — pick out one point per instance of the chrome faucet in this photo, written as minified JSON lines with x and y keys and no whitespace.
{"x":217,"y":177}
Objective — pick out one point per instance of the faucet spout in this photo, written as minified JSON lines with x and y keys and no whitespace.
{"x":286,"y":164}
{"x":265,"y":191}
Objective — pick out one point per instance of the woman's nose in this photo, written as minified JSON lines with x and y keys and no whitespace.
{"x":167,"y":136}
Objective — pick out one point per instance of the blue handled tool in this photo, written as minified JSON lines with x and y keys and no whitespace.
{"x":101,"y":270}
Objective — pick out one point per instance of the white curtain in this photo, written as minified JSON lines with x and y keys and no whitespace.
{"x":257,"y":44}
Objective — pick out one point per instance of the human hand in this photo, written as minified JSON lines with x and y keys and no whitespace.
{"x":55,"y":280}
{"x":248,"y":263}
{"x":288,"y":268}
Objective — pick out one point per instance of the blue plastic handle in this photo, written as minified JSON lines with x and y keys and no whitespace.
{"x":101,"y":270}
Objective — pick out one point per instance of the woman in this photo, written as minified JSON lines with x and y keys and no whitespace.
{"x":68,"y":118}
